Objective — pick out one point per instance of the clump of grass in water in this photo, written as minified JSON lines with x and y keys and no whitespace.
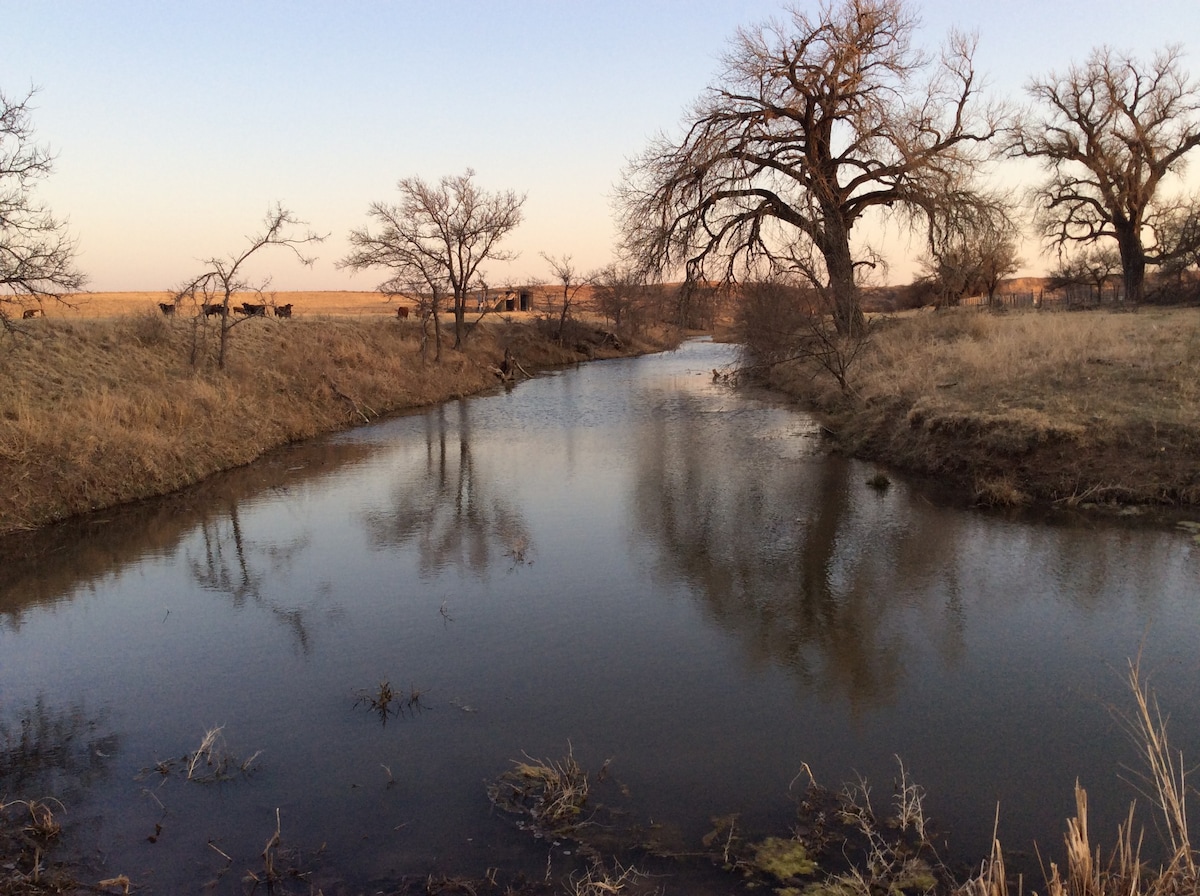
{"x":551,"y":793}
{"x":211,"y":761}
{"x":386,"y":701}
{"x":28,"y":831}
{"x":840,"y":845}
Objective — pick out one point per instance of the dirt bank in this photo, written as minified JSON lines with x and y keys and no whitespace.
{"x":102,"y":411}
{"x":1068,"y":408}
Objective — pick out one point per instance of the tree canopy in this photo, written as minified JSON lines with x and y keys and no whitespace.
{"x":37,"y":256}
{"x":814,"y":121}
{"x":436,"y":238}
{"x":1110,"y":132}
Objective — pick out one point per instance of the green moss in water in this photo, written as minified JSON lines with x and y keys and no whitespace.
{"x":783,"y":859}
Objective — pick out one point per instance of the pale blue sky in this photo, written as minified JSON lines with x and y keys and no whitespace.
{"x":176,"y":124}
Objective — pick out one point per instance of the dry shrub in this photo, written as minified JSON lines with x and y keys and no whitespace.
{"x":551,"y":793}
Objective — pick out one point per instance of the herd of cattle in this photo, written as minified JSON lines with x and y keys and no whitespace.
{"x":247,"y":309}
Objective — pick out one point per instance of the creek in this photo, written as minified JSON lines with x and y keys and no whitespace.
{"x":626,"y":561}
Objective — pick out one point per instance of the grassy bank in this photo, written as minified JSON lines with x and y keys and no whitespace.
{"x":102,"y":411}
{"x":1070,"y":408}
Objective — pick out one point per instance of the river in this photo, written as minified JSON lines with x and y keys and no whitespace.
{"x":627,"y":562}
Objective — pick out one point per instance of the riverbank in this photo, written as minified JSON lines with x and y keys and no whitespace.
{"x":104,"y":411}
{"x":1080,"y":409}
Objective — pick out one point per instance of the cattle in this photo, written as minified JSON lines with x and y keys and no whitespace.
{"x":217,"y":309}
{"x":166,"y":308}
{"x":30,"y":313}
{"x":401,"y":312}
{"x":251,"y":310}
{"x":283,"y":310}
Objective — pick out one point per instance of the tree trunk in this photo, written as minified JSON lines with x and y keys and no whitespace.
{"x":839,"y":264}
{"x":1133,"y":260}
{"x":460,"y":321}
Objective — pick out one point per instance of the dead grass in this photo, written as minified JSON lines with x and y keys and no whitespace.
{"x":1088,"y":870}
{"x":101,"y":411}
{"x":1019,"y":407}
{"x":552,"y":793}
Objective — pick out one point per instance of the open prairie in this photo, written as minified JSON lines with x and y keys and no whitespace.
{"x":365,"y":303}
{"x":109,"y":304}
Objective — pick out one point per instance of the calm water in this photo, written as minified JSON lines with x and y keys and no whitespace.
{"x":624,"y":560}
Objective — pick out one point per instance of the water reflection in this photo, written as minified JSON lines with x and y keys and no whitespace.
{"x":777,"y":550}
{"x":441,"y":503}
{"x":240,"y":567}
{"x":42,"y":567}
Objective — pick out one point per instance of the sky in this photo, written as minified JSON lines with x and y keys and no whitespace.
{"x":177,"y":125}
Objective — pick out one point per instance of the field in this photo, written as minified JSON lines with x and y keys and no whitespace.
{"x":329,"y":303}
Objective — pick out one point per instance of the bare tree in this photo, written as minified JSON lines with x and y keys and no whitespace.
{"x":816,"y":121}
{"x":963,"y":264}
{"x":1090,"y":267}
{"x":1110,"y":131}
{"x":572,"y":282}
{"x":37,"y":257}
{"x":438,"y":234}
{"x":213,"y":290}
{"x":620,"y":293}
{"x":1177,"y":233}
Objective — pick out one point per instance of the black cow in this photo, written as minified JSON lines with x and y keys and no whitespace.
{"x":217,"y":309}
{"x":402,"y":312}
{"x":283,"y":310}
{"x":251,"y":310}
{"x":167,"y":308}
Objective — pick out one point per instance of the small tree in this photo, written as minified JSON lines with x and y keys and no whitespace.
{"x":620,"y":292}
{"x":1090,"y":268}
{"x":970,"y":264}
{"x":37,"y":257}
{"x":1110,"y":131}
{"x":438,"y":234}
{"x":572,"y":282}
{"x":224,"y":277}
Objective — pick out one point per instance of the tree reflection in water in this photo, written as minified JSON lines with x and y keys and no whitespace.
{"x":445,"y":508}
{"x":240,"y":567}
{"x":809,"y":566}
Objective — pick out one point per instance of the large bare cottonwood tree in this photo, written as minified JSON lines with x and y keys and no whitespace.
{"x":437,"y":235}
{"x":37,"y":256}
{"x":815,"y":121}
{"x":1111,"y":131}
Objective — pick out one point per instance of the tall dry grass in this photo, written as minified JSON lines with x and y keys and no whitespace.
{"x":1050,"y":406}
{"x":97,"y":412}
{"x":1121,"y":871}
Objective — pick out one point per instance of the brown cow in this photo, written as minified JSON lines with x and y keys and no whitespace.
{"x":283,"y":310}
{"x":401,"y":312}
{"x":30,"y":313}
